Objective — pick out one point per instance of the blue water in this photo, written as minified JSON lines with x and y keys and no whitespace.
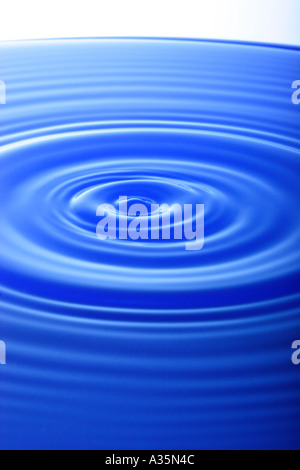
{"x":144,"y":345}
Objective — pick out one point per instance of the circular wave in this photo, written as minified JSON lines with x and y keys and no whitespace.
{"x":242,"y":164}
{"x":141,"y":344}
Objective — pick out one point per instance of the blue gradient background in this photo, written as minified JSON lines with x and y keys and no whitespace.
{"x":131,"y":345}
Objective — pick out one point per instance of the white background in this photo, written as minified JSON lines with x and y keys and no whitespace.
{"x":275,"y":21}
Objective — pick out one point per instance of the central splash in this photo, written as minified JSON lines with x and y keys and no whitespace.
{"x":137,"y":223}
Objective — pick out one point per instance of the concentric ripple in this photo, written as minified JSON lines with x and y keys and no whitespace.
{"x":161,"y":122}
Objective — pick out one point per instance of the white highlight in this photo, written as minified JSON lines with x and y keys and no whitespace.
{"x":272,"y":21}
